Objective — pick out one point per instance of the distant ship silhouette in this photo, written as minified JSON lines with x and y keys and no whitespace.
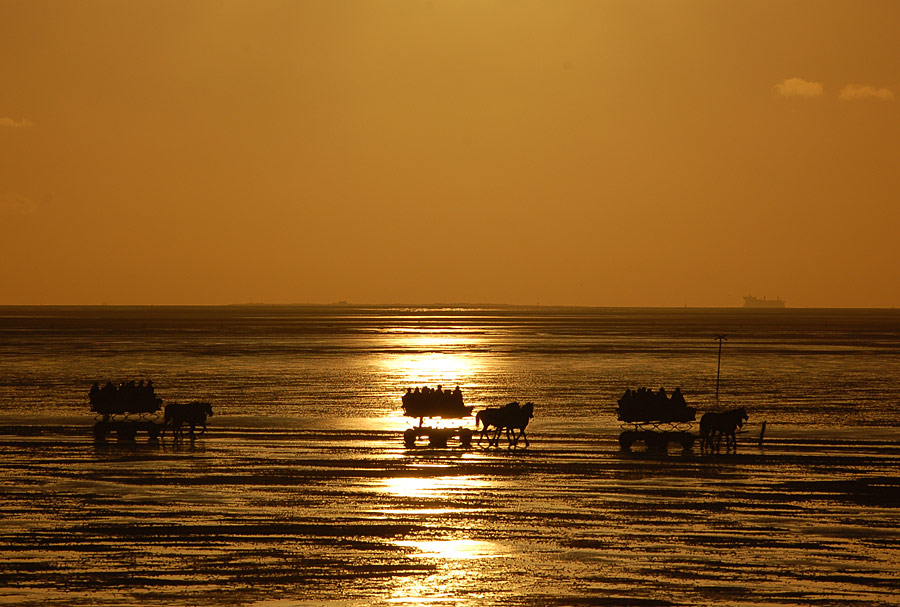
{"x":754,"y":302}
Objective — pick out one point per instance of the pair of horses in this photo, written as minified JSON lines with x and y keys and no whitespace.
{"x":179,"y":415}
{"x":716,"y":425}
{"x":511,"y":417}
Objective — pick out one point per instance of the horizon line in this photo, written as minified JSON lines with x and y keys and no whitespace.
{"x":346,"y":304}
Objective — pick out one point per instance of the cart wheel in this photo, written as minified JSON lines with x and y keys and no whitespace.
{"x":687,"y":441}
{"x":437,"y":439}
{"x":100,"y":430}
{"x":626,"y":439}
{"x":655,"y":442}
{"x":409,"y":438}
{"x":465,"y":438}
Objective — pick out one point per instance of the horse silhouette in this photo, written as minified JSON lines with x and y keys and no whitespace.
{"x":192,"y":414}
{"x":715,"y":425}
{"x":492,"y":418}
{"x":516,"y":420}
{"x":511,"y":417}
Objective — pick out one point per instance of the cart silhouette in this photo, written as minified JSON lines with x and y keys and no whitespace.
{"x":126,"y":409}
{"x":433,"y":405}
{"x":656,"y":419}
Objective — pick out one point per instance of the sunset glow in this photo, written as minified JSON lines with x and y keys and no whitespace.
{"x":608,"y":153}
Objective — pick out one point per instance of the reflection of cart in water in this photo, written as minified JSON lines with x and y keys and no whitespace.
{"x":126,"y":410}
{"x":436,"y":403}
{"x":656,"y":419}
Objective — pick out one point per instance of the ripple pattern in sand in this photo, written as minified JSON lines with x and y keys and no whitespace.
{"x":258,"y":517}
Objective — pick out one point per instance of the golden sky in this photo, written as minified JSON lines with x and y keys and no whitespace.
{"x":658,"y":153}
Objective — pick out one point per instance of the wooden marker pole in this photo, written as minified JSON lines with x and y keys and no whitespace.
{"x":721,"y":338}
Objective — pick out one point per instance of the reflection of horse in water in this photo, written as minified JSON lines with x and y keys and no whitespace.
{"x":511,"y":417}
{"x":722,"y":424}
{"x":193,"y":414}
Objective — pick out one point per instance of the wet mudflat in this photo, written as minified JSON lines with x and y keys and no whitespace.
{"x":248,"y":516}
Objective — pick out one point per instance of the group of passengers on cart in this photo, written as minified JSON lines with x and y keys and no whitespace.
{"x":433,"y":394}
{"x":647,"y":395}
{"x":128,"y":397}
{"x":429,"y":402}
{"x":644,"y":404}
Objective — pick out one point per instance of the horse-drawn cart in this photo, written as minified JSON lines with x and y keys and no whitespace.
{"x":433,"y":404}
{"x":126,"y":410}
{"x":132,"y":407}
{"x":655,"y":419}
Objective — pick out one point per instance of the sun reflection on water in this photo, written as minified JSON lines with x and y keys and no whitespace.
{"x":459,"y":579}
{"x":441,"y":487}
{"x":460,"y":560}
{"x":447,"y":359}
{"x":453,"y":549}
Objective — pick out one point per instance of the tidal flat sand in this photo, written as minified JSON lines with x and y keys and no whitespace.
{"x":294,"y":516}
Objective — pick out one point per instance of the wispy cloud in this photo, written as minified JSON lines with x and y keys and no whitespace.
{"x":798,"y":87}
{"x":15,"y":204}
{"x":8,"y":122}
{"x":852,"y":92}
